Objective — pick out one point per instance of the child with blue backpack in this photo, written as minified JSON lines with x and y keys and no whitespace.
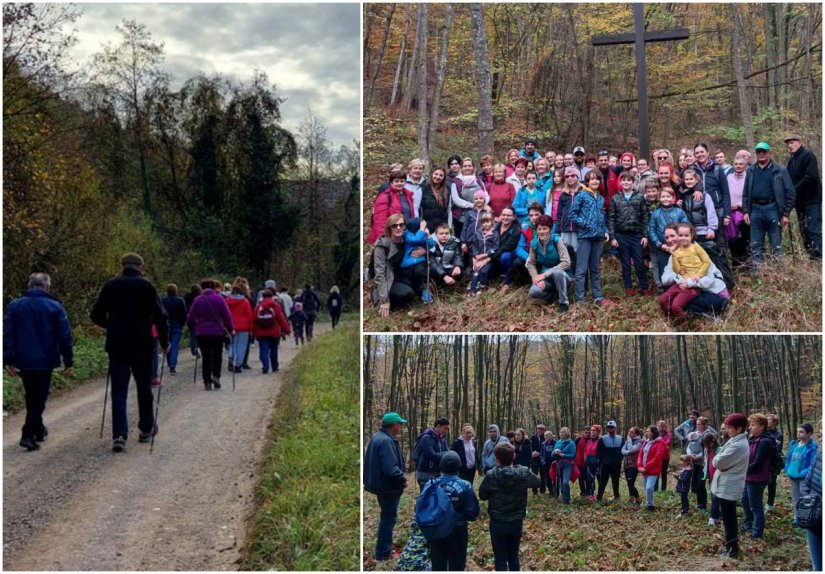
{"x":414,"y":269}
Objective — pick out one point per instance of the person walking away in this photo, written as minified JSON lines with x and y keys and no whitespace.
{"x":194,"y":291}
{"x":488,"y":460}
{"x":384,"y":476}
{"x":467,"y":449}
{"x":298,"y":320}
{"x":311,"y":304}
{"x":175,"y":308}
{"x":813,"y":485}
{"x":777,"y":462}
{"x":609,"y":451}
{"x":449,"y":554}
{"x":241,"y":313}
{"x":731,"y":464}
{"x":505,"y":487}
{"x":286,"y":302}
{"x":335,"y":304}
{"x":760,"y":451}
{"x":630,"y":451}
{"x":649,"y":462}
{"x":127,"y":307}
{"x":211,"y":320}
{"x":803,"y":169}
{"x":269,"y":326}
{"x":429,"y":448}
{"x":801,"y":453}
{"x":36,"y":334}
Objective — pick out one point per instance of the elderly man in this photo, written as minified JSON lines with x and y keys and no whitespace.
{"x":36,"y":334}
{"x":803,"y":169}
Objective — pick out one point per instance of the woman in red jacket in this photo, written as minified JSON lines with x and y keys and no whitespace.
{"x":269,"y":325}
{"x":650,"y":460}
{"x":392,"y":198}
{"x":241,"y":312}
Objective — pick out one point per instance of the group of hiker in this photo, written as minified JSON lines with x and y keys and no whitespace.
{"x":738,"y":464}
{"x":543,"y":221}
{"x":144,"y":331}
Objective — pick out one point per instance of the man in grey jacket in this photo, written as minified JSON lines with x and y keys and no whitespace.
{"x":731,"y":464}
{"x":488,"y":459}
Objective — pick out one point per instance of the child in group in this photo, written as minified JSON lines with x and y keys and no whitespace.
{"x":587,"y":213}
{"x":555,"y":192}
{"x":472,"y":219}
{"x":683,"y":480}
{"x":650,"y":189}
{"x":691,"y":262}
{"x":528,"y":231}
{"x":414,"y":269}
{"x":701,"y":212}
{"x":446,"y":264}
{"x":484,"y":244}
{"x":627,"y":225}
{"x":298,"y":319}
{"x":565,"y":226}
{"x":666,"y":213}
{"x":527,"y":195}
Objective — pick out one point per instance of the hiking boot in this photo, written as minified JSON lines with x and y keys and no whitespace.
{"x":29,"y":443}
{"x":768,"y":508}
{"x":245,"y":367}
{"x":207,"y":386}
{"x":605,"y":303}
{"x":172,"y":371}
{"x":265,"y":371}
{"x":646,"y":293}
{"x":712,"y":522}
{"x":41,"y":436}
{"x":563,"y":308}
{"x":630,"y":292}
{"x":119,"y":444}
{"x":216,"y":383}
{"x":146,"y":437}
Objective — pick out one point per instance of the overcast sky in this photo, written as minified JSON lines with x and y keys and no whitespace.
{"x":311,"y":52}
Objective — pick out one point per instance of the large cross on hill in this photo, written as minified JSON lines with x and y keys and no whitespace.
{"x":639,"y":37}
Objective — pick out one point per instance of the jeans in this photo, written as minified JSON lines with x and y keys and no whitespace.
{"x":650,"y":483}
{"x":765,"y":221}
{"x":121,"y":370}
{"x":589,"y":254}
{"x":663,"y":477}
{"x":506,"y":537}
{"x":683,"y":496}
{"x":566,"y":473}
{"x":450,"y":553}
{"x":815,"y":548}
{"x":555,"y":286}
{"x":707,"y":303}
{"x":655,"y":254}
{"x":754,"y":512}
{"x":630,"y":247}
{"x":508,"y":265}
{"x":728,"y":508}
{"x":389,"y":514}
{"x":592,"y":472}
{"x":796,"y":491}
{"x":613,"y":473}
{"x":269,"y":352}
{"x":36,"y":385}
{"x":211,"y":347}
{"x":810,"y":227}
{"x":630,"y":475}
{"x":310,"y":324}
{"x":239,"y":343}
{"x":481,"y":276}
{"x":175,"y":336}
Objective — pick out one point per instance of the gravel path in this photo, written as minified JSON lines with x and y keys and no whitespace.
{"x":76,"y":505}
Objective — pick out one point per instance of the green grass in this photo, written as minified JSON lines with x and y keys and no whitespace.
{"x":90,"y":361}
{"x":308,"y":497}
{"x":614,"y":536}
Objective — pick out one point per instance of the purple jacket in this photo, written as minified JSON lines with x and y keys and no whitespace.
{"x":759,"y":461}
{"x":209,"y":315}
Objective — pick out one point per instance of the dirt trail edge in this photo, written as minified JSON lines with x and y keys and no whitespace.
{"x":76,"y":505}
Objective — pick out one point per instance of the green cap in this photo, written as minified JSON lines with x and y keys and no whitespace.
{"x":391,"y":419}
{"x":763,"y":145}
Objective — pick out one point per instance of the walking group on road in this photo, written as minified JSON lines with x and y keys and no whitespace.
{"x":739,"y":464}
{"x":143,"y":336}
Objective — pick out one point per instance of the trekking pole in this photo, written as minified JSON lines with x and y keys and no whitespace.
{"x":234,"y":365}
{"x":157,"y":405}
{"x":105,"y":400}
{"x":195,"y":374}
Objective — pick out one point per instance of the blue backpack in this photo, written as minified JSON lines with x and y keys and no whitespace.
{"x":434,"y":512}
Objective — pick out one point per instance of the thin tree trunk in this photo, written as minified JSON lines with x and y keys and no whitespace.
{"x":406,"y":103}
{"x":432,"y":137}
{"x":380,"y":58}
{"x":483,"y":81}
{"x":401,"y":54}
{"x":423,"y":117}
{"x":744,"y":101}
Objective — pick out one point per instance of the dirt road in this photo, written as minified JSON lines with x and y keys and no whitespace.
{"x":76,"y":505}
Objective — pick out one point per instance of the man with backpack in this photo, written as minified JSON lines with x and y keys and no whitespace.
{"x":385,"y":476}
{"x":443,"y":516}
{"x":430,"y":446}
{"x":311,"y":304}
{"x":777,"y":460}
{"x":506,"y":486}
{"x":269,"y":325}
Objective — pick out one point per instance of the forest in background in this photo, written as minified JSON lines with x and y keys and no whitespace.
{"x":518,"y":381}
{"x":201,"y":180}
{"x":472,"y":79}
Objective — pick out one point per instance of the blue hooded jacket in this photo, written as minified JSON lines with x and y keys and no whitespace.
{"x":587,"y":212}
{"x":36,"y":333}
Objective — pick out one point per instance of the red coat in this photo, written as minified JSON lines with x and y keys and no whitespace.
{"x":608,"y":188}
{"x":581,"y":448}
{"x":502,"y":194}
{"x":655,"y":457}
{"x":387,"y":203}
{"x":281,"y":326}
{"x":241,"y":312}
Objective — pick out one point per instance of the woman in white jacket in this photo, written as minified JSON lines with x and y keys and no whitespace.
{"x":731,"y":463}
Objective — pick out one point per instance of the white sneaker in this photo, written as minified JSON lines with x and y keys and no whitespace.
{"x":768,"y":508}
{"x":712,"y":522}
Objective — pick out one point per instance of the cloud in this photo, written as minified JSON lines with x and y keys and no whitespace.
{"x":311,"y":52}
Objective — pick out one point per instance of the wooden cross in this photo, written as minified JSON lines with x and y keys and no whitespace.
{"x":639,"y":37}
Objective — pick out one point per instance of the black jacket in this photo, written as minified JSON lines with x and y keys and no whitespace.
{"x":127,"y":307}
{"x":429,"y":209}
{"x":628,"y":216}
{"x":175,"y":308}
{"x":431,"y":448}
{"x":443,"y":259}
{"x":506,"y":489}
{"x":715,"y":183}
{"x":804,"y":171}
{"x":383,"y":465}
{"x":508,"y":241}
{"x":335,"y":309}
{"x":783,"y":189}
{"x":458,"y":448}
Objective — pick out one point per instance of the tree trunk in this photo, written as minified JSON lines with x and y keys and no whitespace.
{"x":483,"y":81}
{"x":744,"y":100}
{"x":421,"y":91}
{"x":380,"y":58}
{"x":432,"y":137}
{"x":396,"y":82}
{"x":406,"y":103}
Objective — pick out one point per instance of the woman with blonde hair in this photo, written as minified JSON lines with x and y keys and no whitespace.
{"x":389,"y":293}
{"x":467,"y":449}
{"x":335,"y":304}
{"x":417,"y":182}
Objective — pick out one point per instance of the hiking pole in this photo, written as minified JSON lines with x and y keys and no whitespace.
{"x":157,"y":404}
{"x":234,"y":366}
{"x":195,"y":374}
{"x":105,"y":400}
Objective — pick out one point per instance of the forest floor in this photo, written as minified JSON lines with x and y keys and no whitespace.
{"x":784,"y":297}
{"x":613,"y":536}
{"x":75,"y":505}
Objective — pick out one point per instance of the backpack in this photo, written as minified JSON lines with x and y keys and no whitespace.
{"x":777,"y":458}
{"x":371,"y":265}
{"x":265,"y":317}
{"x":416,"y":453}
{"x":809,"y":512}
{"x":434,"y":512}
{"x":310,"y":301}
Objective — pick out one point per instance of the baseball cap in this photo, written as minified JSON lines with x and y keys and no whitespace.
{"x":762,"y":146}
{"x":793,"y":137}
{"x":269,"y":284}
{"x":578,"y":149}
{"x":391,"y":419}
{"x":611,"y":424}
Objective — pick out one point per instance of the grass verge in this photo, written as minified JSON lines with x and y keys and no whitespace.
{"x":90,"y":362}
{"x":308,"y":497}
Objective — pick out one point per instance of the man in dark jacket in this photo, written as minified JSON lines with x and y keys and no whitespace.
{"x":803,"y":170}
{"x":384,"y":476}
{"x":609,"y":451}
{"x":127,"y":307}
{"x":450,"y":553}
{"x":175,"y":308}
{"x":535,"y":442}
{"x":767,"y":201}
{"x":429,"y":448}
{"x":311,"y":304}
{"x":505,"y":486}
{"x":36,"y":333}
{"x":778,"y":464}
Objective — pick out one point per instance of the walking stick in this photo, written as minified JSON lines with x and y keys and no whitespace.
{"x":157,"y":404}
{"x":105,"y":400}
{"x":234,"y":365}
{"x":195,"y":374}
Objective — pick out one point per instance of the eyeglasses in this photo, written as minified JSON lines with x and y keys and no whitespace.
{"x":662,"y":158}
{"x":761,"y":151}
{"x":397,"y":226}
